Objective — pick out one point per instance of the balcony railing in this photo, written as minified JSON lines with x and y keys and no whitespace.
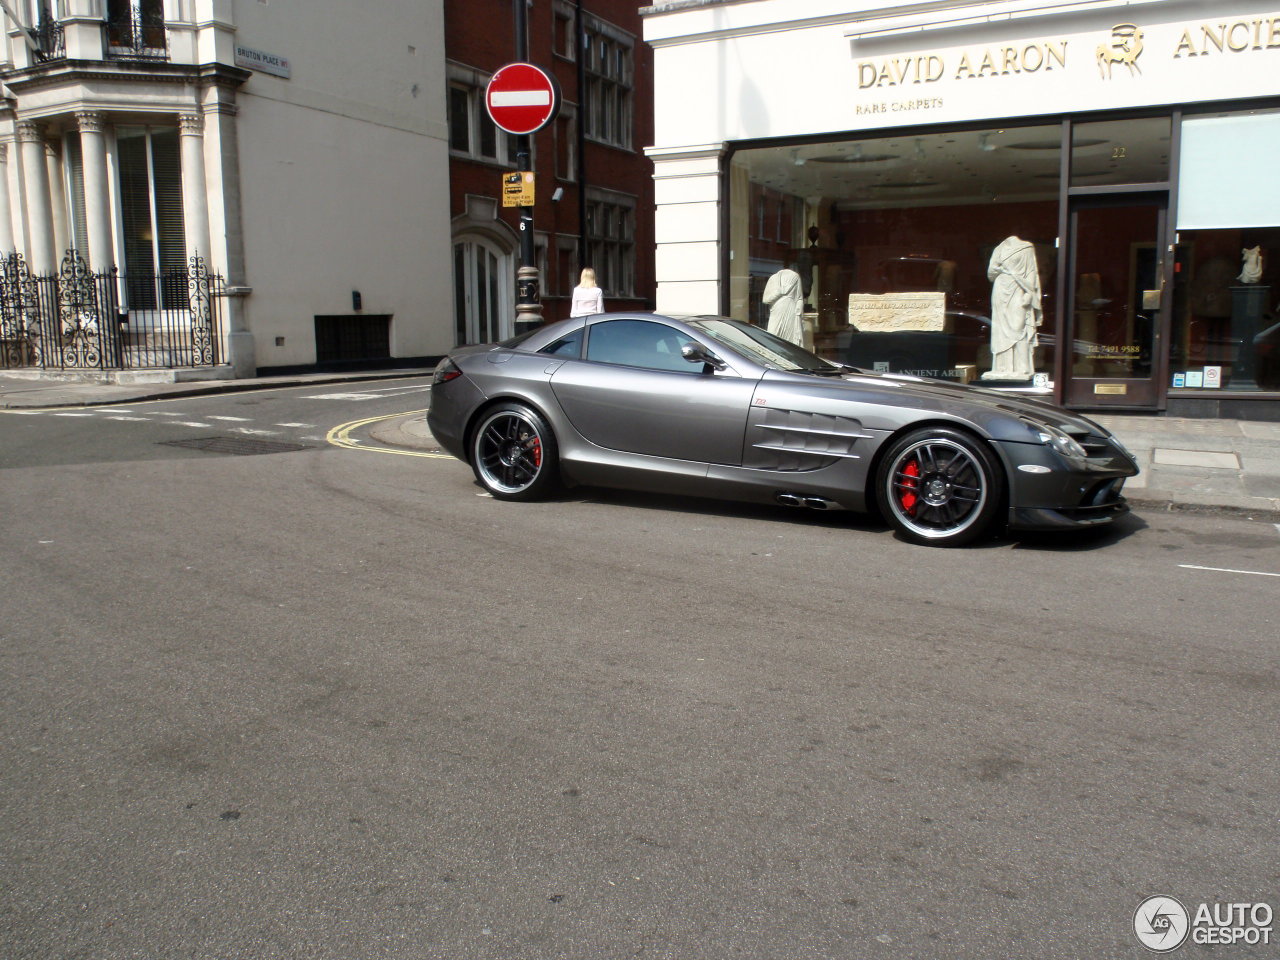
{"x":51,"y":43}
{"x":137,"y":36}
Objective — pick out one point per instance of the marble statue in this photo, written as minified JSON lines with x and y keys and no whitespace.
{"x":784,"y":296}
{"x":1015,"y":310}
{"x":1252,"y":271}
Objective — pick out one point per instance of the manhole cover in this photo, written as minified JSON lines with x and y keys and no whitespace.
{"x":240,"y":446}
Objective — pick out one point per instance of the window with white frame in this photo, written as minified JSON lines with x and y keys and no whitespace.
{"x":611,"y":241}
{"x":471,"y":132}
{"x":609,"y":62}
{"x":151,"y":232}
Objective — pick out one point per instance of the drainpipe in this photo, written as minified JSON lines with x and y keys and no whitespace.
{"x":580,"y":38}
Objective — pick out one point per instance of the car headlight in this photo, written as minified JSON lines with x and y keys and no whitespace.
{"x":1060,"y":440}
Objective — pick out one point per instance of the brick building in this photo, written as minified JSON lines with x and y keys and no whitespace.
{"x":594,"y":197}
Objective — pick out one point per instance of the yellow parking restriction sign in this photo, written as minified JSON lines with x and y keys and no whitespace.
{"x":517,"y":189}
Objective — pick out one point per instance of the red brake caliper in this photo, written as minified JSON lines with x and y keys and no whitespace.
{"x":908,"y":496}
{"x":536,"y":451}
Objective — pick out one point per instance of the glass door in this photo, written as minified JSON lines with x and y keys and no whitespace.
{"x":1117,"y":307}
{"x":483,"y":283}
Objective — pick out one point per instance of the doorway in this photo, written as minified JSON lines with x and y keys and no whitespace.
{"x":483,"y":278}
{"x":1117,"y":310}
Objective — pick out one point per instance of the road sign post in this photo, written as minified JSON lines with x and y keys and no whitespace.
{"x":522,"y":99}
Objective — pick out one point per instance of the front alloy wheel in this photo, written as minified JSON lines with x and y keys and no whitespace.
{"x":939,"y":486}
{"x":513,"y":453}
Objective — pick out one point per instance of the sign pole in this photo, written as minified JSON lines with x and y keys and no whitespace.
{"x":528,"y":304}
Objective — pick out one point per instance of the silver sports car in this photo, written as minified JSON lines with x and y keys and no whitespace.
{"x":711,"y":407}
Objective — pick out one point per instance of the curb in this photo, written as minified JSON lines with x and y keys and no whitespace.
{"x":136,"y":394}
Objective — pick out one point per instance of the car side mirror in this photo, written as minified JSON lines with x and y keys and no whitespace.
{"x":697,"y":353}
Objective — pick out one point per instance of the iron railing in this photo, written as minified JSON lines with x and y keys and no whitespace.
{"x":138,"y":34}
{"x":79,"y":320}
{"x":51,"y":42}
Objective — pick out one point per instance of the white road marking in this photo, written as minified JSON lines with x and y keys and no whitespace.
{"x":26,"y":413}
{"x":127,"y":418}
{"x":345,"y":396}
{"x":298,"y":426}
{"x":232,"y":419}
{"x":1253,"y":573}
{"x":257,"y":433}
{"x":192,"y":423}
{"x":73,"y":414}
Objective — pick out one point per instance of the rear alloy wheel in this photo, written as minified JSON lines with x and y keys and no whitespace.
{"x":514,"y":454}
{"x":939,"y":487}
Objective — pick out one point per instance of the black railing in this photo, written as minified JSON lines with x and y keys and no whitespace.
{"x":137,"y":36}
{"x":78,"y":320}
{"x":51,"y":43}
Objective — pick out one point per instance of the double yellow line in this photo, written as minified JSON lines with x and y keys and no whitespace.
{"x":340,"y":436}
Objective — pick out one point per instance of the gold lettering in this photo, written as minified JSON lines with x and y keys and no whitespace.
{"x":1206,"y":33}
{"x":866,"y":75}
{"x":1026,"y":59}
{"x":1231,"y":37}
{"x":988,"y":64}
{"x":1185,"y":44}
{"x":965,"y":68}
{"x":884,"y":77}
{"x":1060,"y":54}
{"x":935,"y":70}
{"x":1010,"y":61}
{"x":1273,"y":33}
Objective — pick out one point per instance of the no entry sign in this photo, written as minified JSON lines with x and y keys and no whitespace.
{"x":522,"y":98}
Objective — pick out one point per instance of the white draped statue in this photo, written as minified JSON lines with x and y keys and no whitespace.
{"x":784,"y":296}
{"x":1016,"y":313}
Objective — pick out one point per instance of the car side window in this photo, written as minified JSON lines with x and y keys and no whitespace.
{"x":569,"y":345}
{"x":639,"y":343}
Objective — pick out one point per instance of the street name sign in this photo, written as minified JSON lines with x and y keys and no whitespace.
{"x":522,"y":98}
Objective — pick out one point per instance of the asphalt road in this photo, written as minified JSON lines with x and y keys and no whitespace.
{"x":325,"y":702}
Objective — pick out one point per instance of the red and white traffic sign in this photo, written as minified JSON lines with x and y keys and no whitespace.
{"x":522,"y":98}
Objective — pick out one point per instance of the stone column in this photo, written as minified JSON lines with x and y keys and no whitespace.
{"x":62,"y":235}
{"x":222,"y":168}
{"x":7,"y":245}
{"x":41,"y":256}
{"x":97,"y":198}
{"x":195,"y":199}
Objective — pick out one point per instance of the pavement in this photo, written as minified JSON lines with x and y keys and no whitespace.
{"x":1186,"y":464}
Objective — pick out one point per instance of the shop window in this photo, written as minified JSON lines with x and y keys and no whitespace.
{"x":900,"y":235}
{"x":1226,"y":322}
{"x":1111,"y":152}
{"x":1226,"y":332}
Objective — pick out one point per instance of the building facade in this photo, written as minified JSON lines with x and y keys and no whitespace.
{"x":594,"y":187}
{"x":905,"y":160}
{"x":296,"y":150}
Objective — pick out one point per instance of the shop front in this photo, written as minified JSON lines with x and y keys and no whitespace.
{"x":1048,"y":201}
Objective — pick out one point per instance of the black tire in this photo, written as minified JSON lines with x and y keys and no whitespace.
{"x":939,"y":487}
{"x":514,"y":453}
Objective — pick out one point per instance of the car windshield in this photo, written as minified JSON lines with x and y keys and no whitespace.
{"x":763,"y":347}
